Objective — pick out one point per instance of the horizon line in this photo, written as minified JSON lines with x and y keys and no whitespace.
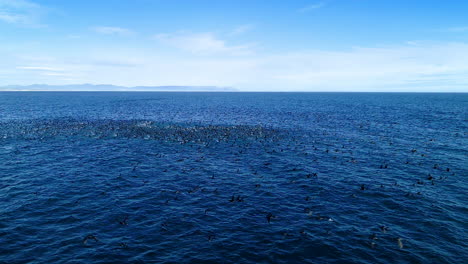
{"x":238,"y":91}
{"x":87,"y":87}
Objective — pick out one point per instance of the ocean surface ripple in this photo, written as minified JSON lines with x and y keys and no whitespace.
{"x":233,"y":178}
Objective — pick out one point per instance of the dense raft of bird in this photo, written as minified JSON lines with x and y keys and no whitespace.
{"x":101,"y":129}
{"x":303,"y":161}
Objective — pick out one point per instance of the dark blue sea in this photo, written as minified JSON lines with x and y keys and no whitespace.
{"x":122,"y":177}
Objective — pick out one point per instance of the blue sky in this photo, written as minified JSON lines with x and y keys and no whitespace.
{"x":334,"y":45}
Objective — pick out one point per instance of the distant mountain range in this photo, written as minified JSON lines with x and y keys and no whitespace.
{"x":105,"y":87}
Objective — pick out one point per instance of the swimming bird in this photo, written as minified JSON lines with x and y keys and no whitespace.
{"x":269,"y":216}
{"x":136,"y":165}
{"x":88,"y":237}
{"x":122,"y":245}
{"x":384,"y":229}
{"x":400,"y":243}
{"x":124,"y":221}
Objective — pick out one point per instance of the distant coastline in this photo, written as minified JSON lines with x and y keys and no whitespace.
{"x":112,"y":88}
{"x":178,"y":88}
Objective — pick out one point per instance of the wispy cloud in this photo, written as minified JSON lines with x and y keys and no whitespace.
{"x":383,"y":68}
{"x":458,"y":29}
{"x":38,"y":68}
{"x":421,"y":66}
{"x":113,"y":31}
{"x":311,"y":7}
{"x":202,"y":44}
{"x":72,"y":36}
{"x":240,"y":30}
{"x":45,"y":71}
{"x":13,"y":18}
{"x":20,"y":12}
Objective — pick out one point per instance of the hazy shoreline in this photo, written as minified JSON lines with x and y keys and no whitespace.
{"x":174,"y":88}
{"x":113,"y":88}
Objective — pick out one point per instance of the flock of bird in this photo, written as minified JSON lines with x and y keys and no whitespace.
{"x":238,"y":144}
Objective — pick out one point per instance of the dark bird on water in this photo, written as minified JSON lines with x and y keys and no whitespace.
{"x":384,"y":229}
{"x":89,"y":237}
{"x":269,"y":216}
{"x":124,"y":221}
{"x":122,"y":245}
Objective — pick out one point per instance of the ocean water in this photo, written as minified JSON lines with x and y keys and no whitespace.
{"x":108,"y":177}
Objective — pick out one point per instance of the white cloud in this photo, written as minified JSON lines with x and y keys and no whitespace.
{"x":458,"y":29}
{"x":18,"y":4}
{"x":309,"y":8}
{"x":241,"y":30}
{"x":385,"y":68}
{"x":55,"y":74}
{"x":13,"y":18}
{"x":113,"y":31}
{"x":20,"y":12}
{"x":202,"y":44}
{"x":417,"y":67}
{"x":38,"y":68}
{"x":47,"y":71}
{"x":72,"y":36}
